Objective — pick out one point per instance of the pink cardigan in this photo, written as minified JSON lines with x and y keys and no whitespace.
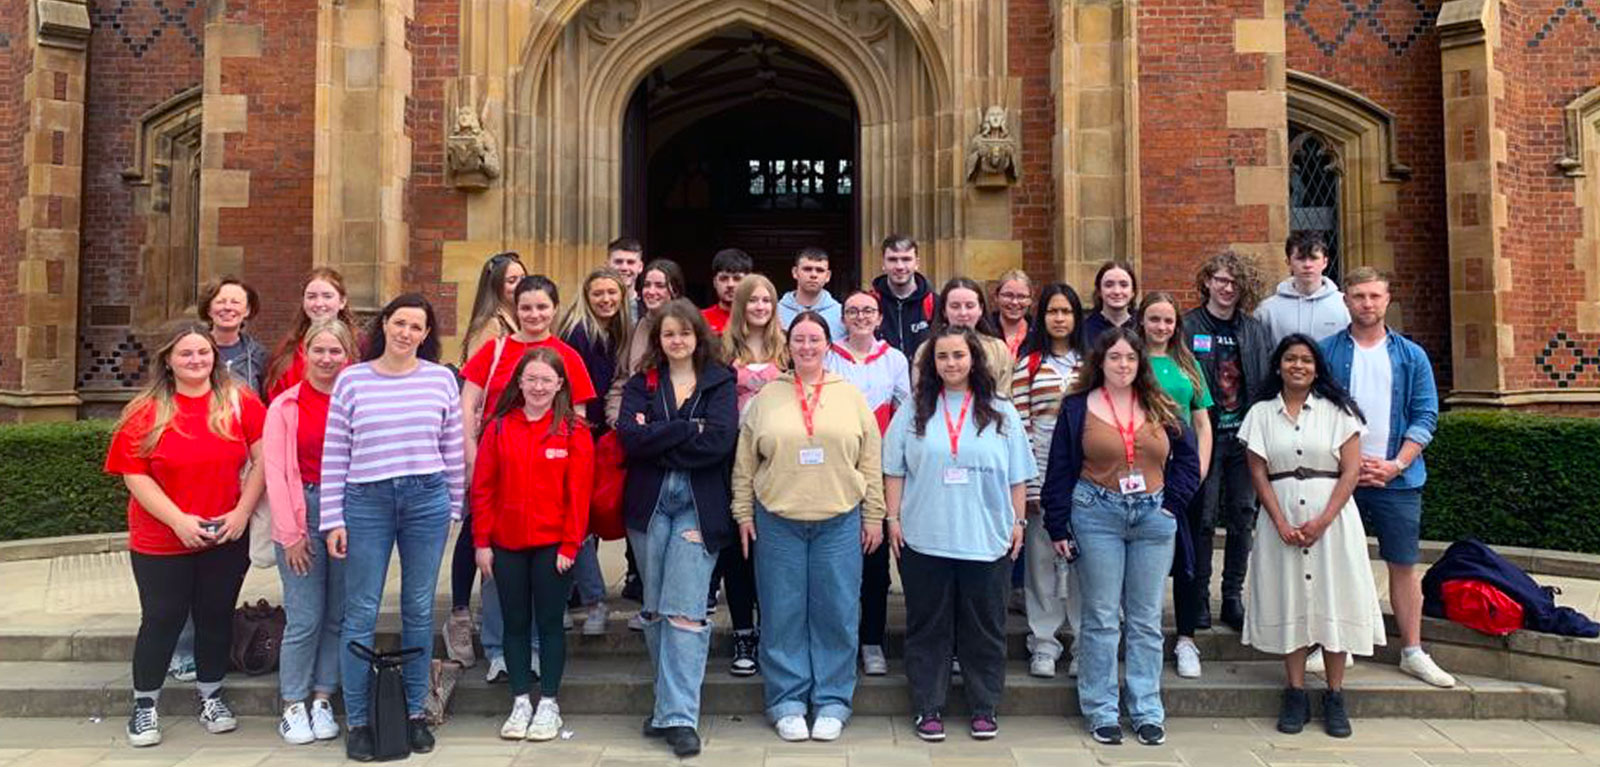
{"x":286,"y":493}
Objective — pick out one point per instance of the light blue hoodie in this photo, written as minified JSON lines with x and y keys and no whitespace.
{"x":830,"y":309}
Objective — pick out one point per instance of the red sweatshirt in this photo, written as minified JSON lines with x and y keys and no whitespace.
{"x":531,"y":488}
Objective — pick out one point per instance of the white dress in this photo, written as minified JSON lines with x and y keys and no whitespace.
{"x":1323,"y":594}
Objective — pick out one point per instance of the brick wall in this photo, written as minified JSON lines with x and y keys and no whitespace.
{"x":1391,"y":56}
{"x":1550,"y":55}
{"x":16,"y":57}
{"x":436,"y":211}
{"x":1029,"y":37}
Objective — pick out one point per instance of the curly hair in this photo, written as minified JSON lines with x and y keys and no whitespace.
{"x":1246,"y":271}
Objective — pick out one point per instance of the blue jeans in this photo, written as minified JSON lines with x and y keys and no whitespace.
{"x":808,"y":576}
{"x":586,"y":575}
{"x":412,"y":512}
{"x":314,"y":604}
{"x":1126,"y":543}
{"x":676,"y":572}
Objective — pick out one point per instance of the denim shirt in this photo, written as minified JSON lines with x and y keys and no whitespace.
{"x":1413,"y":398}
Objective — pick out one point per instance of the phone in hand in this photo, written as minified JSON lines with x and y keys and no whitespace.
{"x":213,"y":527}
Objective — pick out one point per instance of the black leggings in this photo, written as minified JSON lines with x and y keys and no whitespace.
{"x":874,"y":594}
{"x":205,"y":585}
{"x":531,"y":591}
{"x":463,"y":566}
{"x":739,"y":585}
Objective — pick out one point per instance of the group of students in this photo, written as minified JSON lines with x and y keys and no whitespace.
{"x":786,"y":446}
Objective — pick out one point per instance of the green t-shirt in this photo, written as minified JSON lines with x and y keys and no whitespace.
{"x":1180,"y":388}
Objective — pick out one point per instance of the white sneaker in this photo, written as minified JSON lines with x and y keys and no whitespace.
{"x":594,"y":623}
{"x":826,"y":728}
{"x":872,"y":661}
{"x":1421,"y":666}
{"x":1072,"y":667}
{"x":535,"y":666}
{"x":215,"y":715}
{"x":497,"y":671}
{"x":144,"y":726}
{"x":955,"y":667}
{"x":516,"y":726}
{"x":546,"y":721}
{"x":636,"y":622}
{"x":1188,"y":658}
{"x":323,"y":725}
{"x":295,"y":726}
{"x":793,"y":728}
{"x":1316,"y":664}
{"x":566,"y":621}
{"x":1042,"y":666}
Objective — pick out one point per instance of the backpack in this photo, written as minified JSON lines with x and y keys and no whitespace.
{"x":1479,"y":605}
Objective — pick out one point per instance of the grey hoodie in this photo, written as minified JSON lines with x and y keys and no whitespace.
{"x":830,"y":309}
{"x":1318,"y":315}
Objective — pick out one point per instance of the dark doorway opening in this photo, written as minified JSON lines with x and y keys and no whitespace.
{"x":742,"y":142}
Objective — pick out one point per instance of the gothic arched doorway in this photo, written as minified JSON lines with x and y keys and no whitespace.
{"x":739,"y":141}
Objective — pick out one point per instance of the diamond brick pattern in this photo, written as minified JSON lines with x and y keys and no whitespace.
{"x":1367,"y":14}
{"x":137,"y":31}
{"x":1574,"y":11}
{"x":1549,"y":358}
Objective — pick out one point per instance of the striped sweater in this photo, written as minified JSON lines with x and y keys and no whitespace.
{"x":1037,"y":389}
{"x":381,"y":427}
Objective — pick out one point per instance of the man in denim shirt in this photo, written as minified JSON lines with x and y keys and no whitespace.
{"x":1391,"y":379}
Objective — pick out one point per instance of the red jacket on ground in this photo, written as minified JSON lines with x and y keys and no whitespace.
{"x":531,"y":488}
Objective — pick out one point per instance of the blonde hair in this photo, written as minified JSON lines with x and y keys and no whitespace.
{"x":612,"y":333}
{"x":1014,"y":275}
{"x":339,"y":330}
{"x":735,"y":350}
{"x":162,"y":391}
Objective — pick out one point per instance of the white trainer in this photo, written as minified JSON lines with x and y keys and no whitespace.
{"x":793,"y":728}
{"x":1042,"y":666}
{"x":1188,"y":656}
{"x":546,"y":721}
{"x":1421,"y":666}
{"x":826,"y":728}
{"x":1072,"y":667}
{"x":497,"y":671}
{"x":1316,"y":664}
{"x":323,"y":725}
{"x":594,"y":622}
{"x":295,"y":726}
{"x":516,"y":726}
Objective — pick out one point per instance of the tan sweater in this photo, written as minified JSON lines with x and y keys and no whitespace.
{"x":766,"y":465}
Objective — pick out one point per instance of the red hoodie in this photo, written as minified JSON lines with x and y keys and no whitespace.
{"x":531,"y":488}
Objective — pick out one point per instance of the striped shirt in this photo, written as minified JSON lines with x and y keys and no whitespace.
{"x":382,"y":426}
{"x":1038,"y":396}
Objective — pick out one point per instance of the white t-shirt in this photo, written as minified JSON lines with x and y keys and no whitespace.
{"x":1371,"y":380}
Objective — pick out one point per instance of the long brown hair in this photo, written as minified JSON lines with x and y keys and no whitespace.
{"x":1158,"y":407}
{"x":705,"y":344}
{"x":735,"y":349}
{"x":1178,"y":345}
{"x":512,"y":400}
{"x":930,"y":386}
{"x":161,"y":391}
{"x":488,"y":301}
{"x":284,"y":354}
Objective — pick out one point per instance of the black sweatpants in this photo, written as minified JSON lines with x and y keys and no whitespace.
{"x":463,"y":566}
{"x":961,"y":602}
{"x":1229,"y":499}
{"x":172,"y":588}
{"x":874,"y":594}
{"x":738,"y":585}
{"x":531,"y":591}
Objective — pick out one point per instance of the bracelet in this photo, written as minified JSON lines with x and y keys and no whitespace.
{"x":892,"y":520}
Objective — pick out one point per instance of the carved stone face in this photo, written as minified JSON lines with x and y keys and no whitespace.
{"x":994,"y":120}
{"x":466,"y":120}
{"x":996,"y":156}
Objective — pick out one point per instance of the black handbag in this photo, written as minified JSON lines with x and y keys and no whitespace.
{"x":386,"y":700}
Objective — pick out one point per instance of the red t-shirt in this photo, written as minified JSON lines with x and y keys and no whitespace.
{"x":716,"y":317}
{"x":197,"y":469}
{"x":293,"y":374}
{"x":310,"y":428}
{"x":477,"y":369}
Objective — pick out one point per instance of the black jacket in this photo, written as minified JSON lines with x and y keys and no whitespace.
{"x":697,"y":438}
{"x":1472,"y":559}
{"x":1255,"y":352}
{"x":905,"y":320}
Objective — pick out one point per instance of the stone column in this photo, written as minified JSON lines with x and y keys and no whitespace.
{"x":1264,"y":109}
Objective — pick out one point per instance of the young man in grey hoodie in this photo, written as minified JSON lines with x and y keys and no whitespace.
{"x":811,"y":275}
{"x":1308,"y":302}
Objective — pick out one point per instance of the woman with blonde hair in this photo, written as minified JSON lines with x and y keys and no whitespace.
{"x":1013,"y":298}
{"x":322,"y":297}
{"x":180,"y":447}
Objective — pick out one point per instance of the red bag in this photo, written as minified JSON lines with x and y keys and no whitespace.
{"x":1479,"y":605}
{"x":605,"y":506}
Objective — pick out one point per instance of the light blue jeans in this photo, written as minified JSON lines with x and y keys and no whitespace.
{"x":676,"y":572}
{"x":314,"y":604}
{"x":1126,"y":551}
{"x":413,"y":513}
{"x":586,"y":575}
{"x":809,"y":577}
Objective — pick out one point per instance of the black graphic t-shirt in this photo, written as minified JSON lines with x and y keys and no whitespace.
{"x":1227,"y":387}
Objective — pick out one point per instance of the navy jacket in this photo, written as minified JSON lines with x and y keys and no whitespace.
{"x":1474,"y":560}
{"x":601,"y":360}
{"x":1181,"y":477}
{"x":672,"y":438}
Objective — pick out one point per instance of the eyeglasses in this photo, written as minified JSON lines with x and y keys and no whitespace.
{"x":541,"y":381}
{"x":861,"y":311}
{"x":1014,"y":296}
{"x":1223,"y":282}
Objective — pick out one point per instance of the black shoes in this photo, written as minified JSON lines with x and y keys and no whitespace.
{"x":1295,"y":712}
{"x":417,"y":734}
{"x":358,"y":744}
{"x":1110,"y":735}
{"x":1335,"y":721}
{"x":633,"y":588}
{"x":1204,"y":621}
{"x":650,"y":730}
{"x":683,"y":740}
{"x":746,"y":651}
{"x":1233,"y":613}
{"x":1151,"y":734}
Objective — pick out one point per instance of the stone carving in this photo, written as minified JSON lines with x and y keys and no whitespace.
{"x":473,"y":157}
{"x":992,"y":153}
{"x":869,"y":19}
{"x":605,"y":20}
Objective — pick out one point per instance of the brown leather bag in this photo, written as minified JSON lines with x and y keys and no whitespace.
{"x":257,"y":637}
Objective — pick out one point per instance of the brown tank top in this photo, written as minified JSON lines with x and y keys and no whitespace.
{"x":1104,"y":461}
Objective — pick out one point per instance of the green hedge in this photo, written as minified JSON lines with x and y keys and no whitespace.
{"x":1514,"y":479}
{"x":51,"y":482}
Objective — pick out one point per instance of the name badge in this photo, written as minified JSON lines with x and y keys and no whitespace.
{"x":555,"y":452}
{"x":1133,"y":482}
{"x":956,"y":475}
{"x":810,"y":456}
{"x":1202,"y":342}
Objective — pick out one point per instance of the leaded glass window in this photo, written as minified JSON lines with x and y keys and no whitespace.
{"x":1315,"y":178}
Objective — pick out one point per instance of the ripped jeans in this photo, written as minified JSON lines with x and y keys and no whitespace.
{"x":676,"y":569}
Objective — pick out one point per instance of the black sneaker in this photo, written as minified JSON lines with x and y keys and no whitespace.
{"x":215,"y":715}
{"x":683,"y":740}
{"x":1335,"y":721}
{"x":144,"y":725}
{"x":1109,"y":735}
{"x":1151,"y":734}
{"x":1233,"y":613}
{"x":358,"y":744}
{"x":419,"y":736}
{"x":1204,"y":621}
{"x":746,"y":650}
{"x":649,"y":730}
{"x":1294,"y":713}
{"x":633,"y":588}
{"x":711,"y":602}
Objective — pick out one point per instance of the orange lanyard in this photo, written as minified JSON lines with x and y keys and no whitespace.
{"x":1129,"y":434}
{"x":954,"y":427}
{"x":808,"y":408}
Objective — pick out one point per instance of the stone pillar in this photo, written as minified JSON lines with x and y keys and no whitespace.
{"x":1475,"y":204}
{"x":1263,"y":111}
{"x":49,"y":215}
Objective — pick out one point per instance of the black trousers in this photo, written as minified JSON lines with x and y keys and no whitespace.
{"x":532,"y":592}
{"x":960,"y":602}
{"x":1228,"y":499}
{"x":738,"y":576}
{"x":463,"y":566}
{"x":203,"y":585}
{"x":874,"y":594}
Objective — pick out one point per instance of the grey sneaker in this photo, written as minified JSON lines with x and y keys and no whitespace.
{"x":457,"y":632}
{"x":872,"y":661}
{"x":594,"y":622}
{"x":1042,"y":666}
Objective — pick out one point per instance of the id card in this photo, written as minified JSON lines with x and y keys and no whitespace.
{"x":1132,"y":482}
{"x":956,"y":475}
{"x":810,"y":456}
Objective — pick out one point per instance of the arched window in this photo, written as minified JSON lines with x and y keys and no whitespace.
{"x":1315,"y":177}
{"x":166,"y":176}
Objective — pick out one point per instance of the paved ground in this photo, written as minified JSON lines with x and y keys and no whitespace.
{"x":870,"y":741}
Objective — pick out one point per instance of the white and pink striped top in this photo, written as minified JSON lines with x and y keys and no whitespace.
{"x":382,"y":426}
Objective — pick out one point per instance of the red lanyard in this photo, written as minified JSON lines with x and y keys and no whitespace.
{"x":1129,"y":434}
{"x":808,"y":408}
{"x":1017,"y":344}
{"x":954,"y":427}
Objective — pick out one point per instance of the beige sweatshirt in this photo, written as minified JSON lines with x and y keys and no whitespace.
{"x":767,"y":467}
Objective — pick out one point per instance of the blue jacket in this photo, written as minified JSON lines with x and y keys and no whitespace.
{"x":673,"y":438}
{"x":1413,"y":398}
{"x":1181,"y":477}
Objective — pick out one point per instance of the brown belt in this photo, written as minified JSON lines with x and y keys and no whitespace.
{"x":1301,"y":472}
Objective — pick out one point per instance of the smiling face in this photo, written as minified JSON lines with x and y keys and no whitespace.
{"x":1224,"y":289}
{"x":900,"y":266}
{"x":539,"y":384}
{"x":325,"y":357}
{"x":758,"y":310}
{"x":627,"y":263}
{"x":677,"y":339}
{"x":508,"y":285}
{"x":535,"y":311}
{"x":861,"y":316}
{"x":953,"y":360}
{"x":1298,"y":367}
{"x":321,"y":300}
{"x":605,"y":298}
{"x":405,"y":330}
{"x":810,"y":276}
{"x":1058,"y":319}
{"x":1160,"y":322}
{"x":1121,"y":365}
{"x":229,"y":308}
{"x":807,"y":344}
{"x":1014,"y":298}
{"x":654,"y":289}
{"x":1116,"y":289}
{"x":191,"y":360}
{"x":962,"y":308}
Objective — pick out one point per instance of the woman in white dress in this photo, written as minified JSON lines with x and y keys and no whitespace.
{"x":1309,"y":579}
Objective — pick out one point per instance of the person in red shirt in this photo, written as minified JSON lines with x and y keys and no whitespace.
{"x":530,"y":503}
{"x":181,"y":447}
{"x":322,"y":297}
{"x":728,"y":268}
{"x":313,"y":583}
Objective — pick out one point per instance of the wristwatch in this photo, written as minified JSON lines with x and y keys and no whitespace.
{"x":1023,"y":522}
